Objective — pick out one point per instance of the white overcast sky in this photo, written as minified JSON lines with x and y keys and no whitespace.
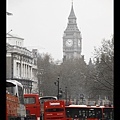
{"x":42,"y":23}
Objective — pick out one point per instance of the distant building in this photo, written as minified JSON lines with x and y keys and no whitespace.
{"x":34,"y":71}
{"x":72,"y":40}
{"x":21,"y":64}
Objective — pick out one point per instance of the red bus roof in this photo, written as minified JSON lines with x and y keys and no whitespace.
{"x":26,"y":95}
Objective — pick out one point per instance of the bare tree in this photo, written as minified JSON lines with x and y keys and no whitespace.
{"x":102,"y":76}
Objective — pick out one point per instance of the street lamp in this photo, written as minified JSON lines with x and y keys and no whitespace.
{"x":57,"y":84}
{"x":40,"y":78}
{"x":9,"y":32}
{"x":66,"y":94}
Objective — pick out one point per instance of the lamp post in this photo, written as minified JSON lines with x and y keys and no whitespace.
{"x":58,"y":87}
{"x":57,"y":84}
{"x":40,"y":79}
{"x":38,"y":76}
{"x":66,"y":94}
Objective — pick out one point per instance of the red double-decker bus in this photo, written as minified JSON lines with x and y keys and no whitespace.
{"x":54,"y":110}
{"x":42,"y":100}
{"x":32,"y":104}
{"x":83,"y":112}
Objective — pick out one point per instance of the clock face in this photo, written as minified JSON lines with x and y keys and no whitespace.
{"x":79,"y":43}
{"x":69,"y":43}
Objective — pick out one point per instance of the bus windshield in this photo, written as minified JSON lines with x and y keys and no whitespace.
{"x":46,"y":98}
{"x":10,"y":90}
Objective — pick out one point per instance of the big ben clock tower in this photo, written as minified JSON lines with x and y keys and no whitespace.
{"x":72,"y":39}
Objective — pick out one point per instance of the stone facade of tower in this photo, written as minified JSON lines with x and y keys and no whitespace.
{"x":72,"y":40}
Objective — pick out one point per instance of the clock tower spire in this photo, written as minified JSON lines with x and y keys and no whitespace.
{"x":72,"y":45}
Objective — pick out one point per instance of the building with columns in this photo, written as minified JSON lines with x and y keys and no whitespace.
{"x":72,"y":40}
{"x":21,"y":64}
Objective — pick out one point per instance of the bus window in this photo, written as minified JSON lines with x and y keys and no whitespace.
{"x":71,"y":113}
{"x":46,"y":98}
{"x":54,"y":110}
{"x":82,"y":113}
{"x":108,"y":113}
{"x":10,"y":90}
{"x":29,"y":100}
{"x":95,"y":113}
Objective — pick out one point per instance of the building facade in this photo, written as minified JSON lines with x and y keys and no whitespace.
{"x":35,"y":86}
{"x":21,"y":64}
{"x":72,"y":40}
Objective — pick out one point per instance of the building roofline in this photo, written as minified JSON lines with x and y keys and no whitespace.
{"x":12,"y":36}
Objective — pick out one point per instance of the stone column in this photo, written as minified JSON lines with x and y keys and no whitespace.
{"x":24,"y":70}
{"x":18,"y":69}
{"x":21,"y":69}
{"x":14,"y":69}
{"x":27,"y":71}
{"x":31,"y":72}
